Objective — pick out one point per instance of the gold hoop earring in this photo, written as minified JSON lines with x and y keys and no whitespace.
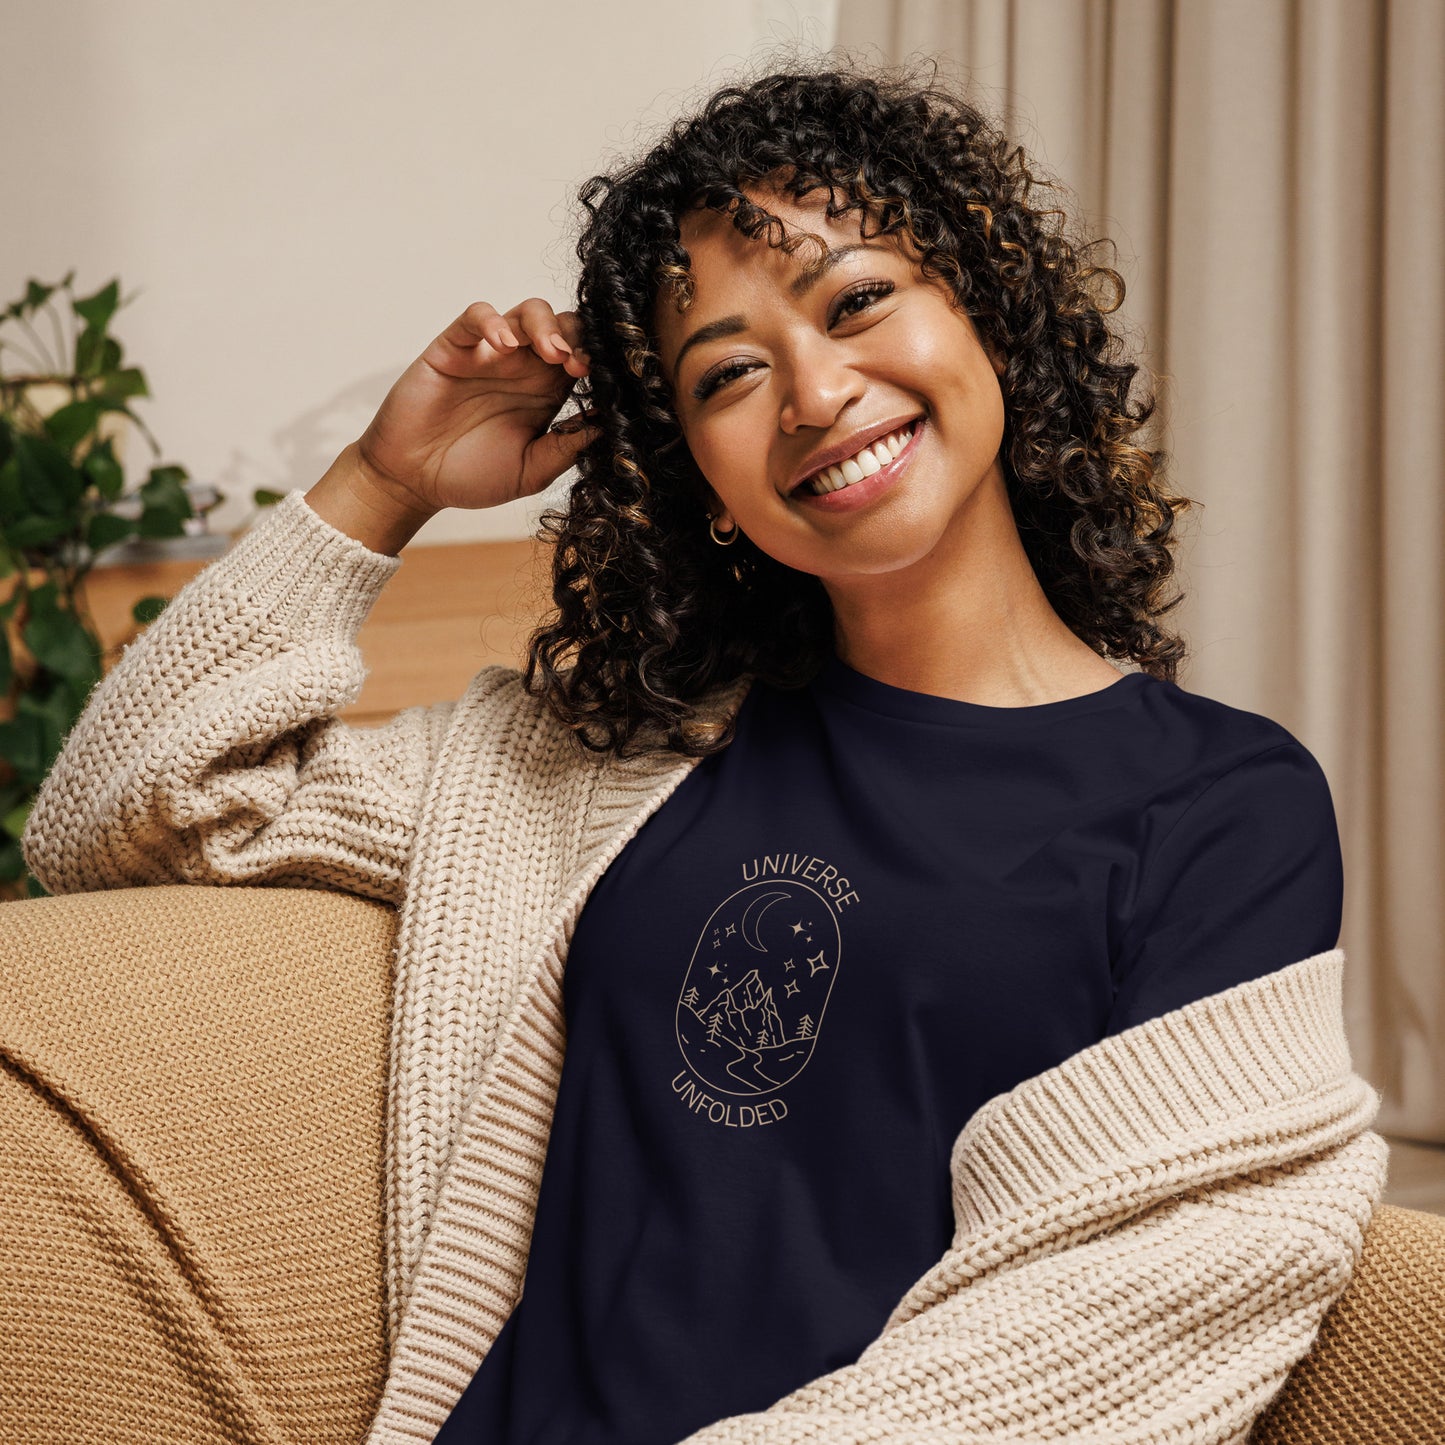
{"x":731,"y":537}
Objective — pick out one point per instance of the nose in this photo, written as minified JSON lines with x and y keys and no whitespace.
{"x":820,"y":382}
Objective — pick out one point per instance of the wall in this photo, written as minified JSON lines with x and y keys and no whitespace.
{"x":299,"y":197}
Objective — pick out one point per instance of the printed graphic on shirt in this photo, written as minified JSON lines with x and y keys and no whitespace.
{"x":752,"y":1003}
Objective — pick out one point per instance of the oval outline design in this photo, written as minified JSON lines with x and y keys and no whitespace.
{"x":787,"y":887}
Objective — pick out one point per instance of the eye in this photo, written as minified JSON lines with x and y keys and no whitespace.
{"x":716,"y":377}
{"x":863,"y":294}
{"x":866,"y":293}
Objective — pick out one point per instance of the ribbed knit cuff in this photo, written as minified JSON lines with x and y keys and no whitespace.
{"x":300,"y":566}
{"x":1258,"y":1046}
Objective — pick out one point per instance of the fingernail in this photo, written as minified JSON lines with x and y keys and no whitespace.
{"x":558,"y":342}
{"x":508,"y":337}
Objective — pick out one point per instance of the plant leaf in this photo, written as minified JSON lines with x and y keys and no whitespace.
{"x":148,"y":609}
{"x":59,"y":641}
{"x":129,"y":381}
{"x":56,"y":713}
{"x":67,"y":425}
{"x":89,"y":352}
{"x":96,"y":310}
{"x":22,"y":745}
{"x":102,"y":468}
{"x":105,"y":529}
{"x":12,"y":494}
{"x":36,"y":295}
{"x":14,"y":821}
{"x":35,"y":529}
{"x":167,"y":506}
{"x":44,"y":596}
{"x":51,"y":484}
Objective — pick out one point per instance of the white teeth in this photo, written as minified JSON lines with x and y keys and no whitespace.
{"x":871,"y":459}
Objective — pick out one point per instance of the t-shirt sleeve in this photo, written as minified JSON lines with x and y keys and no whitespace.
{"x":1249,"y":879}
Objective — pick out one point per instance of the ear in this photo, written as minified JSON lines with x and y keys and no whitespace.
{"x":717,"y":508}
{"x":717,"y":513}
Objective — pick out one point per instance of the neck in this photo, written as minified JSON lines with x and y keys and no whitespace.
{"x":969,"y":620}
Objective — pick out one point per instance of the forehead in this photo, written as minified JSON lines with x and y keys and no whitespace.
{"x":726,"y":265}
{"x":706,"y":233}
{"x":701,"y":227}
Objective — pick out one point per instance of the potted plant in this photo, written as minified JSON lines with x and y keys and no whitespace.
{"x":63,"y":414}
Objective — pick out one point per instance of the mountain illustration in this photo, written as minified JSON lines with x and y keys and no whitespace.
{"x":744,"y":1014}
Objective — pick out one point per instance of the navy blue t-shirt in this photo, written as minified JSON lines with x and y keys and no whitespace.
{"x":834,"y":941}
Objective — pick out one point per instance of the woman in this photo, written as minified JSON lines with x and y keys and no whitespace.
{"x":950,"y":1020}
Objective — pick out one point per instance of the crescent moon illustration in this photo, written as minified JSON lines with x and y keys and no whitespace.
{"x":749,"y":923}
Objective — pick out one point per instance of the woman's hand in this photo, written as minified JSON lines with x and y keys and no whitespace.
{"x":466,"y":424}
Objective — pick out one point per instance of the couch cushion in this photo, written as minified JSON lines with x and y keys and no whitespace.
{"x":1376,"y":1371}
{"x":191,"y":1152}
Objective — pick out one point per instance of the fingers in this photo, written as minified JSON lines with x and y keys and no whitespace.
{"x":552,"y":452}
{"x":480,"y":322}
{"x":555,"y":338}
{"x":570,"y":325}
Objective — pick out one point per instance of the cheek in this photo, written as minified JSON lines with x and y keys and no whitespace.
{"x":947,"y":353}
{"x":727,"y":451}
{"x":958,"y":374}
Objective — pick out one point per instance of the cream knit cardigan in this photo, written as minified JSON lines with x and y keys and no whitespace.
{"x":1148,"y":1234}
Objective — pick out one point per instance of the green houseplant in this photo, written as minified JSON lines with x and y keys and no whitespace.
{"x":60,"y":481}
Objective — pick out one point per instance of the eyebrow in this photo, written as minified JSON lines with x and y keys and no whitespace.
{"x":732,"y":325}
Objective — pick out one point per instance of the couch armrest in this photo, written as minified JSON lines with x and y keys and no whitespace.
{"x":192,"y":1113}
{"x":1376,"y":1371}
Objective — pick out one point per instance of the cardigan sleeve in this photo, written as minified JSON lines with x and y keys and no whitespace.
{"x":1145,"y":1247}
{"x":1247,"y":880}
{"x":210,"y":752}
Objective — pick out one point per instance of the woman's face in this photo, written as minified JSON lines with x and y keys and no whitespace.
{"x":776,"y":371}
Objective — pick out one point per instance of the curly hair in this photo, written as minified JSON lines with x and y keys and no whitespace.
{"x":649,"y":611}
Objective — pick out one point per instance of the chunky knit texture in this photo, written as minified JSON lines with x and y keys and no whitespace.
{"x":191,"y":1144}
{"x":1148,"y":1235}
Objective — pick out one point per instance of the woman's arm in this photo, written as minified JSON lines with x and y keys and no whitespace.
{"x":358,"y":502}
{"x":210,"y":753}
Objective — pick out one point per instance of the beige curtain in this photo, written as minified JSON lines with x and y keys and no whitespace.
{"x":1273,"y":172}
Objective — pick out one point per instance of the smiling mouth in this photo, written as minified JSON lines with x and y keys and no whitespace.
{"x":865,"y":463}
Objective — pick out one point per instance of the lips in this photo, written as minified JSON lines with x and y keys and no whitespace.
{"x":863,"y":494}
{"x":848,"y":447}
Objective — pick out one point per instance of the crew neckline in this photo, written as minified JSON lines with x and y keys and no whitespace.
{"x":841,"y":680}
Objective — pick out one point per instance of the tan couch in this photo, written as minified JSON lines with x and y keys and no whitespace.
{"x":191,"y":1127}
